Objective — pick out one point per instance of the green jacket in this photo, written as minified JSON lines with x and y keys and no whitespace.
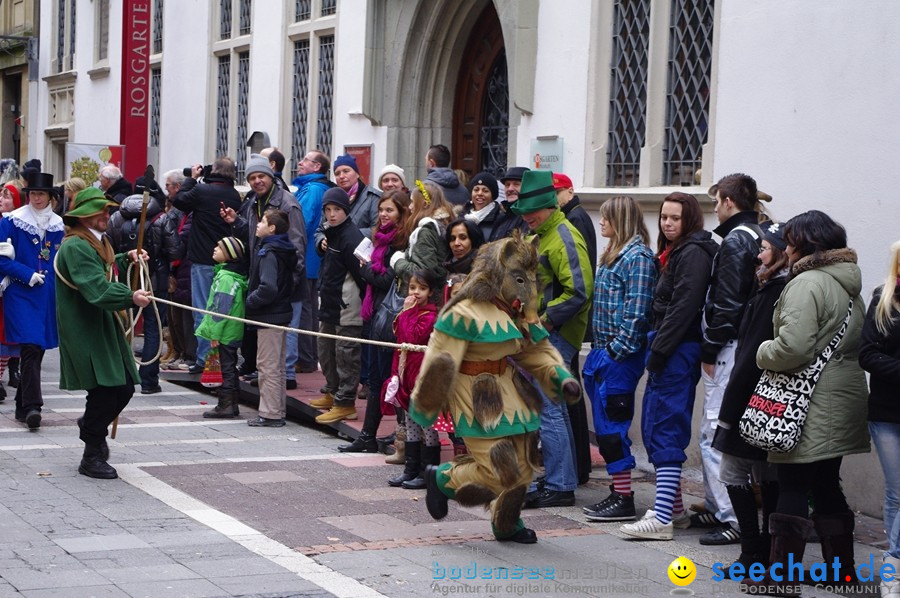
{"x":226,"y":296}
{"x":93,"y":350}
{"x":807,"y":316}
{"x":427,"y":250}
{"x":564,"y":274}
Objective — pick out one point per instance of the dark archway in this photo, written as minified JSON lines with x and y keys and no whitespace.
{"x":481,"y":105}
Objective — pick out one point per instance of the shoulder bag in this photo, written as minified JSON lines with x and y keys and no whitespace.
{"x":386,"y":313}
{"x":776,"y":412}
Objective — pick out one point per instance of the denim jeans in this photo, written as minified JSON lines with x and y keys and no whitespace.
{"x":886,"y":438}
{"x":292,"y":350}
{"x":150,"y":373}
{"x":557,"y":443}
{"x":201,"y":283}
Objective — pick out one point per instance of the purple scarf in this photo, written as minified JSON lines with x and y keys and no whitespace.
{"x":383,"y":239}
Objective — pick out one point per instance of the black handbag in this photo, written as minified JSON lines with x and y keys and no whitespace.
{"x":383,"y":319}
{"x":776,"y":412}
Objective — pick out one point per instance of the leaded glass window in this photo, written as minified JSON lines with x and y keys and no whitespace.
{"x":222,"y":91}
{"x":158,"y":26}
{"x":70,"y":63}
{"x":155,"y":95}
{"x":302,"y":10}
{"x":329,"y":7}
{"x":242,"y":97}
{"x":224,"y":19}
{"x":326,"y":92}
{"x":102,"y":29}
{"x":688,"y":89}
{"x":245,"y":17}
{"x":628,"y":91}
{"x":60,"y":34}
{"x":495,"y":127}
{"x":299,"y":109}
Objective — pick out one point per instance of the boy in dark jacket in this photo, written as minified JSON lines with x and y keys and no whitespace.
{"x":269,"y":300}
{"x":341,"y":288}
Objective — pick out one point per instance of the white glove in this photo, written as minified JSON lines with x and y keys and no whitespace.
{"x":36,"y":278}
{"x":7,"y":250}
{"x":396,"y":258}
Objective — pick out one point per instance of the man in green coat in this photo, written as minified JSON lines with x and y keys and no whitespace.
{"x":94,"y":353}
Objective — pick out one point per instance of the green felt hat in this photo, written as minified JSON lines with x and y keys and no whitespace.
{"x":89,"y":202}
{"x":537,"y":192}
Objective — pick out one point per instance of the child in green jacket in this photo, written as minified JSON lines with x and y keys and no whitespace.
{"x":226,"y":296}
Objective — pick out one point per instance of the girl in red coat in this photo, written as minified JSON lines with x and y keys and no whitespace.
{"x":414,"y":325}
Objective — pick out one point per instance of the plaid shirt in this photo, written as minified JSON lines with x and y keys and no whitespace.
{"x":623,"y":294}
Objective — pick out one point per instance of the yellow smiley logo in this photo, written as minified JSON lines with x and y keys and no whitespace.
{"x":682,"y":571}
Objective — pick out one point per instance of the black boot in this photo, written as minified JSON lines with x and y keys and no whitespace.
{"x":431,"y":455}
{"x":364,"y":443}
{"x":226,"y":408}
{"x":94,"y":466}
{"x":754,"y":548}
{"x":104,"y":448}
{"x":789,"y":536}
{"x":836,"y":534}
{"x":13,"y":367}
{"x":412,"y":465}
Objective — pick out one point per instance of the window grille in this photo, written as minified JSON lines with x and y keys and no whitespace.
{"x":224,"y":19}
{"x":245,"y":17}
{"x":329,"y":7}
{"x":224,"y":81}
{"x":155,"y":91}
{"x":326,"y":92}
{"x":628,"y":91}
{"x":495,"y":130}
{"x":158,"y":27}
{"x":60,"y":34}
{"x":301,"y":97}
{"x":103,"y":30}
{"x":687,"y":101}
{"x":71,"y":54}
{"x":243,"y":91}
{"x":302,"y":10}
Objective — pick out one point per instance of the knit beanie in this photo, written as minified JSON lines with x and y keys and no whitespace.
{"x":258,"y":163}
{"x":233,"y":248}
{"x":337,"y":197}
{"x":486,"y":179}
{"x":392,"y":169}
{"x":347,"y":160}
{"x":773,"y":232}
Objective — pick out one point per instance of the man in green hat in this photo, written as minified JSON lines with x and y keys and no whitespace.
{"x":94,"y":354}
{"x":567,"y":284}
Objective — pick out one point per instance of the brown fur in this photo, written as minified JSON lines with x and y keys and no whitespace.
{"x":463,"y":459}
{"x":505,"y":462}
{"x":532,"y":454}
{"x":508,"y":508}
{"x":473,"y":495}
{"x":528,"y":392}
{"x":487,"y":404}
{"x":824,"y":258}
{"x":437,"y":377}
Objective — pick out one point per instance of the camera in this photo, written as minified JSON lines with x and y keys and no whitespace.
{"x":205,"y":172}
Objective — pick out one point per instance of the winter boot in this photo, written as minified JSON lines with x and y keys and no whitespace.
{"x":364,"y":443}
{"x":836,"y":534}
{"x":94,"y":466}
{"x":431,"y":455}
{"x":789,"y":536}
{"x":754,"y":548}
{"x":413,"y":464}
{"x":227,"y":407}
{"x":399,"y":455}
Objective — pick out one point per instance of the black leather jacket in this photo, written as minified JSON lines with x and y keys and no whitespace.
{"x":733,"y":281}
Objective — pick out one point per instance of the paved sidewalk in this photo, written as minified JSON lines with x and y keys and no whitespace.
{"x":216,"y":508}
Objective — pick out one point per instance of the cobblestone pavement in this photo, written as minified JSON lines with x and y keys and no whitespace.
{"x":216,"y":508}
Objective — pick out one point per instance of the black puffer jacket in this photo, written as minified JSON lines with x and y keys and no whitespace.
{"x":506,"y":223}
{"x":756,"y":327}
{"x":123,"y":232}
{"x":119,"y":190}
{"x":733,"y":281}
{"x":204,"y":200}
{"x":679,"y":296}
{"x":271,"y":281}
{"x":338,"y":263}
{"x":879,"y":355}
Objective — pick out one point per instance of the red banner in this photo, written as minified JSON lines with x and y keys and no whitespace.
{"x":135,"y":86}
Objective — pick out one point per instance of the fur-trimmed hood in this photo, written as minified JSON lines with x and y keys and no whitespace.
{"x":840,"y":264}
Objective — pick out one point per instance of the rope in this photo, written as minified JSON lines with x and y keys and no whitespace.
{"x":400,"y":346}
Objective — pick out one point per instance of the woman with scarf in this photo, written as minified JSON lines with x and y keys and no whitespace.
{"x":463,"y":239}
{"x":389,"y":237}
{"x":482,"y":208}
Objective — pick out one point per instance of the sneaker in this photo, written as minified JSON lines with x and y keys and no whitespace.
{"x":184,"y":365}
{"x":681,"y":521}
{"x":722,"y":535}
{"x":602,"y":504}
{"x":542,"y":499}
{"x":195,"y":369}
{"x":648,"y":528}
{"x":265,"y":422}
{"x":621,"y":508}
{"x":290,"y":384}
{"x":336,"y":414}
{"x":705,"y":520}
{"x":325,"y":402}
